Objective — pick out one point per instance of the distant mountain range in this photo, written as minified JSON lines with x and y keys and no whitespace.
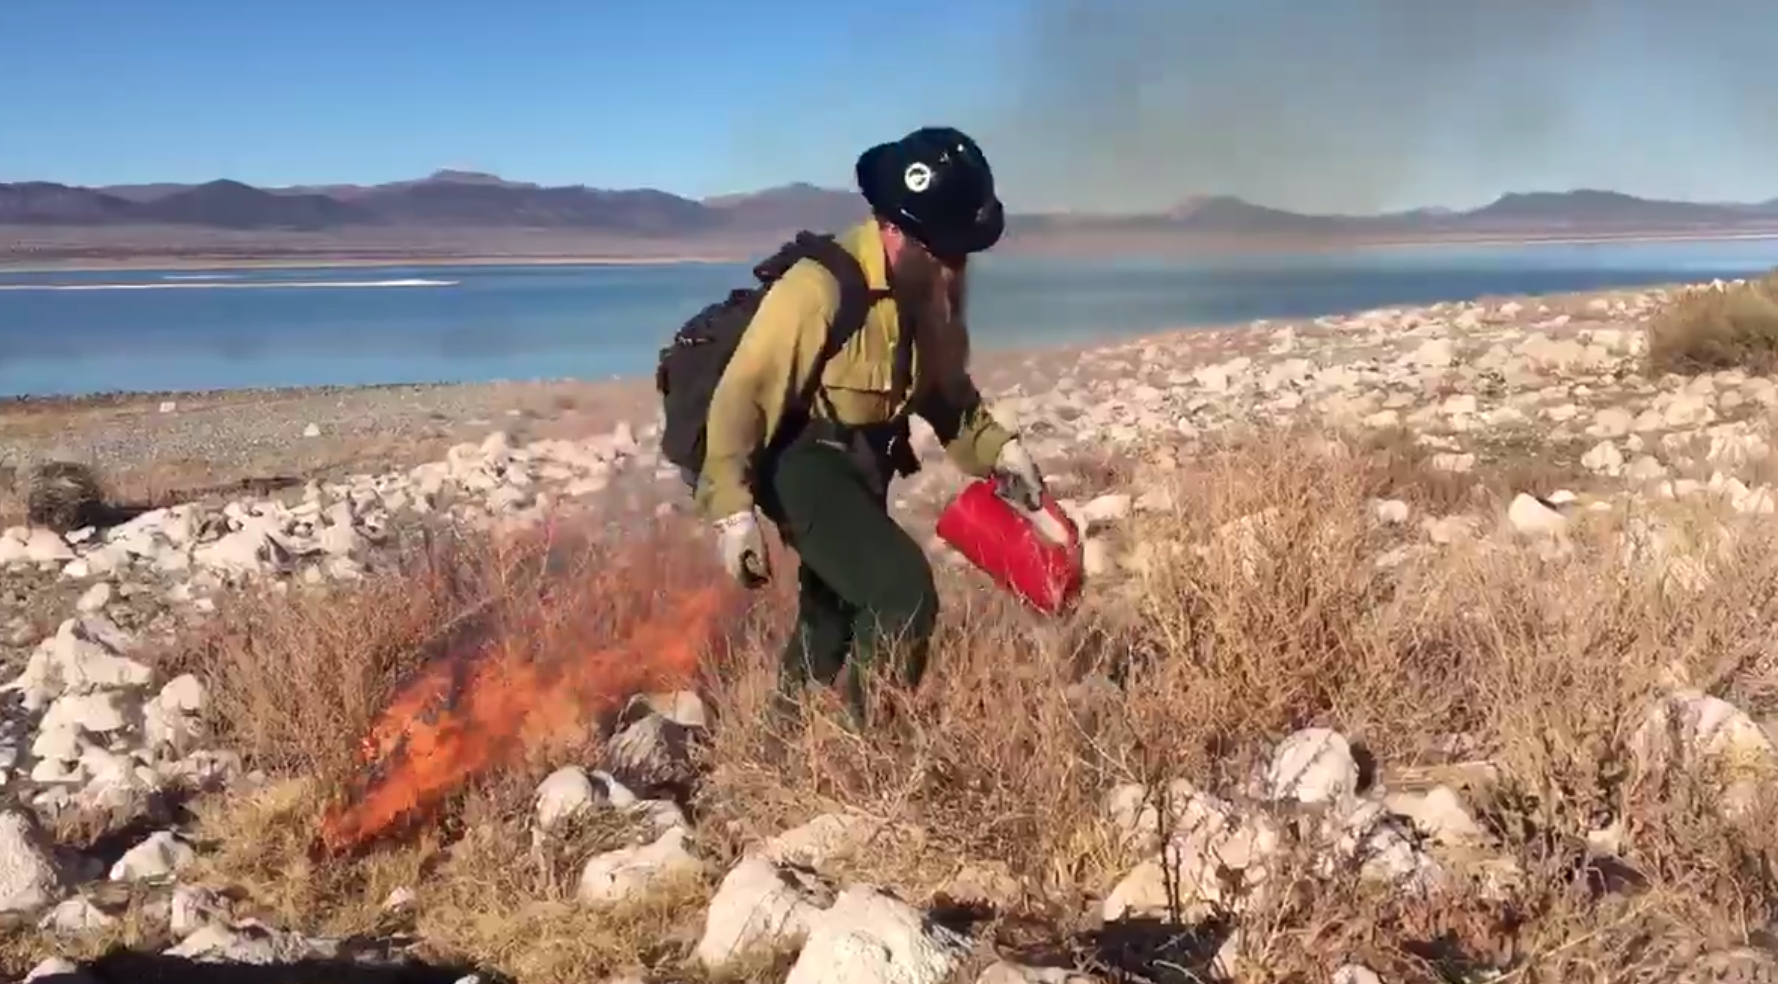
{"x":466,"y":200}
{"x":459,"y":215}
{"x":445,"y":200}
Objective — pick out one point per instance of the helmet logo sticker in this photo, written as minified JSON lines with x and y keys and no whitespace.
{"x":918,"y":177}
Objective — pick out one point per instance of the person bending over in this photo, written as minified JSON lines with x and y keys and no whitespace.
{"x":865,"y":588}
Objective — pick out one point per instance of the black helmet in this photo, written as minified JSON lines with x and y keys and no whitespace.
{"x":935,"y":185}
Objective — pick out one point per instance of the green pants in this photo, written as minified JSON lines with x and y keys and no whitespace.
{"x":865,"y":590}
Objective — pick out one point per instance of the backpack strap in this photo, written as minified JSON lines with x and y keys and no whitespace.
{"x":857,"y":298}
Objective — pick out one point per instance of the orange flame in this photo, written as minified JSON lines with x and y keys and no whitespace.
{"x":524,"y":694}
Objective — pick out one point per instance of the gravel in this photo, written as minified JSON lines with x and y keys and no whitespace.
{"x":162,"y":443}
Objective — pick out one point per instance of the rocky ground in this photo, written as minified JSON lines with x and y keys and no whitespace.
{"x":1522,"y":428}
{"x":177,"y":447}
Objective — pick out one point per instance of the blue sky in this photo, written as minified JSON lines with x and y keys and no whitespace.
{"x":1319,"y":104}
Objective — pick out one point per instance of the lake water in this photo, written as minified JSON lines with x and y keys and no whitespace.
{"x":70,"y":333}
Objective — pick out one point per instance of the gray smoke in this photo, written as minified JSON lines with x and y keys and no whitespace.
{"x":1342,"y":105}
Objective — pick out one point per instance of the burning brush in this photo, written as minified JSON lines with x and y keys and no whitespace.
{"x":531,"y":689}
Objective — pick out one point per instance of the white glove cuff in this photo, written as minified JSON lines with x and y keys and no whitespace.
{"x":734,"y":520}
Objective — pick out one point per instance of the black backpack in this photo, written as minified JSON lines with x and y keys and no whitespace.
{"x":692,"y":364}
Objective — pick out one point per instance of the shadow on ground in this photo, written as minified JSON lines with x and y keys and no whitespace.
{"x":124,"y":967}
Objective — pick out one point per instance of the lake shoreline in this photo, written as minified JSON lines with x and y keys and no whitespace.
{"x":1057,"y":247}
{"x":178,"y":445}
{"x":987,"y":354}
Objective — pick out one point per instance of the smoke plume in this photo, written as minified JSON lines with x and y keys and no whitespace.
{"x":1346,"y":105}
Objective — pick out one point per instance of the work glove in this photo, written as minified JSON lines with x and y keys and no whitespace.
{"x":743,"y":549}
{"x":1016,"y":477}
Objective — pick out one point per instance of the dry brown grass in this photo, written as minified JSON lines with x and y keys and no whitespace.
{"x":1542,"y":669}
{"x":999,"y":769}
{"x":21,"y":951}
{"x":1396,"y":465}
{"x":298,"y":676}
{"x":295,"y":676}
{"x":1705,"y":330}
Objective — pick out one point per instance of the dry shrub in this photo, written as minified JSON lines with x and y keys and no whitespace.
{"x":135,"y":928}
{"x":1399,"y":465}
{"x":67,"y":495}
{"x":1264,"y":610}
{"x":483,"y":894}
{"x":1705,"y":329}
{"x":498,"y":903}
{"x":256,"y":847}
{"x":296,"y":677}
{"x":1261,"y":608}
{"x":299,"y":677}
{"x":63,"y":496}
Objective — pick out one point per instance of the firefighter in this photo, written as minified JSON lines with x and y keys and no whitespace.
{"x":865,"y":589}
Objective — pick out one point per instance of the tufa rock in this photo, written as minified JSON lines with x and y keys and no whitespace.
{"x":759,"y":908}
{"x":630,"y":873}
{"x":1314,"y":767}
{"x":28,"y":879}
{"x":56,"y":970}
{"x":250,"y":942}
{"x":158,"y":857}
{"x":868,"y":937}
